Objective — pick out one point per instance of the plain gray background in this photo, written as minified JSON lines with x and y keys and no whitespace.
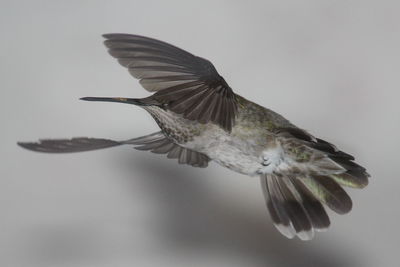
{"x":331,"y":67}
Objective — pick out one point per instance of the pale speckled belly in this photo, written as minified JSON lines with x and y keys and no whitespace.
{"x":233,"y":152}
{"x":235,"y":159}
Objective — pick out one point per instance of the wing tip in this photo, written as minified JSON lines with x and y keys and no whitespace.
{"x":26,"y":145}
{"x":114,"y":35}
{"x":32,"y":146}
{"x":117,"y":35}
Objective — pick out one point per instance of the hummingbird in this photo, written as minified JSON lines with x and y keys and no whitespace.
{"x":201,"y":119}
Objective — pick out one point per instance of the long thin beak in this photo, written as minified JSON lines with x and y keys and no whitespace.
{"x":113,"y":99}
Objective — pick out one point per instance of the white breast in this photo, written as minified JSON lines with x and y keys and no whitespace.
{"x":240,"y":155}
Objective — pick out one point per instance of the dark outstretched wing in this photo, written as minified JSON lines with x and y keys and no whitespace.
{"x":184,"y":83}
{"x":77,"y":144}
{"x":156,"y":143}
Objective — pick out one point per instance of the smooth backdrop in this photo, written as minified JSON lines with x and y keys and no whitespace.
{"x":331,"y":67}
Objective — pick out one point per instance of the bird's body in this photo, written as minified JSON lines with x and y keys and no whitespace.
{"x":243,"y":149}
{"x":202,"y":119}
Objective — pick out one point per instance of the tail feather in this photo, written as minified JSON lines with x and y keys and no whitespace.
{"x":294,"y":210}
{"x":275,"y":203}
{"x":328,"y":192}
{"x":313,"y":207}
{"x":351,"y":179}
{"x":355,"y":175}
{"x":295,"y":203}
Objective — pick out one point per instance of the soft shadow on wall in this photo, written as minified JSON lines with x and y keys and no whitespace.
{"x":189,"y":218}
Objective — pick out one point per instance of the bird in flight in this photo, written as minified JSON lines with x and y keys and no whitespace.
{"x":202,"y":120}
